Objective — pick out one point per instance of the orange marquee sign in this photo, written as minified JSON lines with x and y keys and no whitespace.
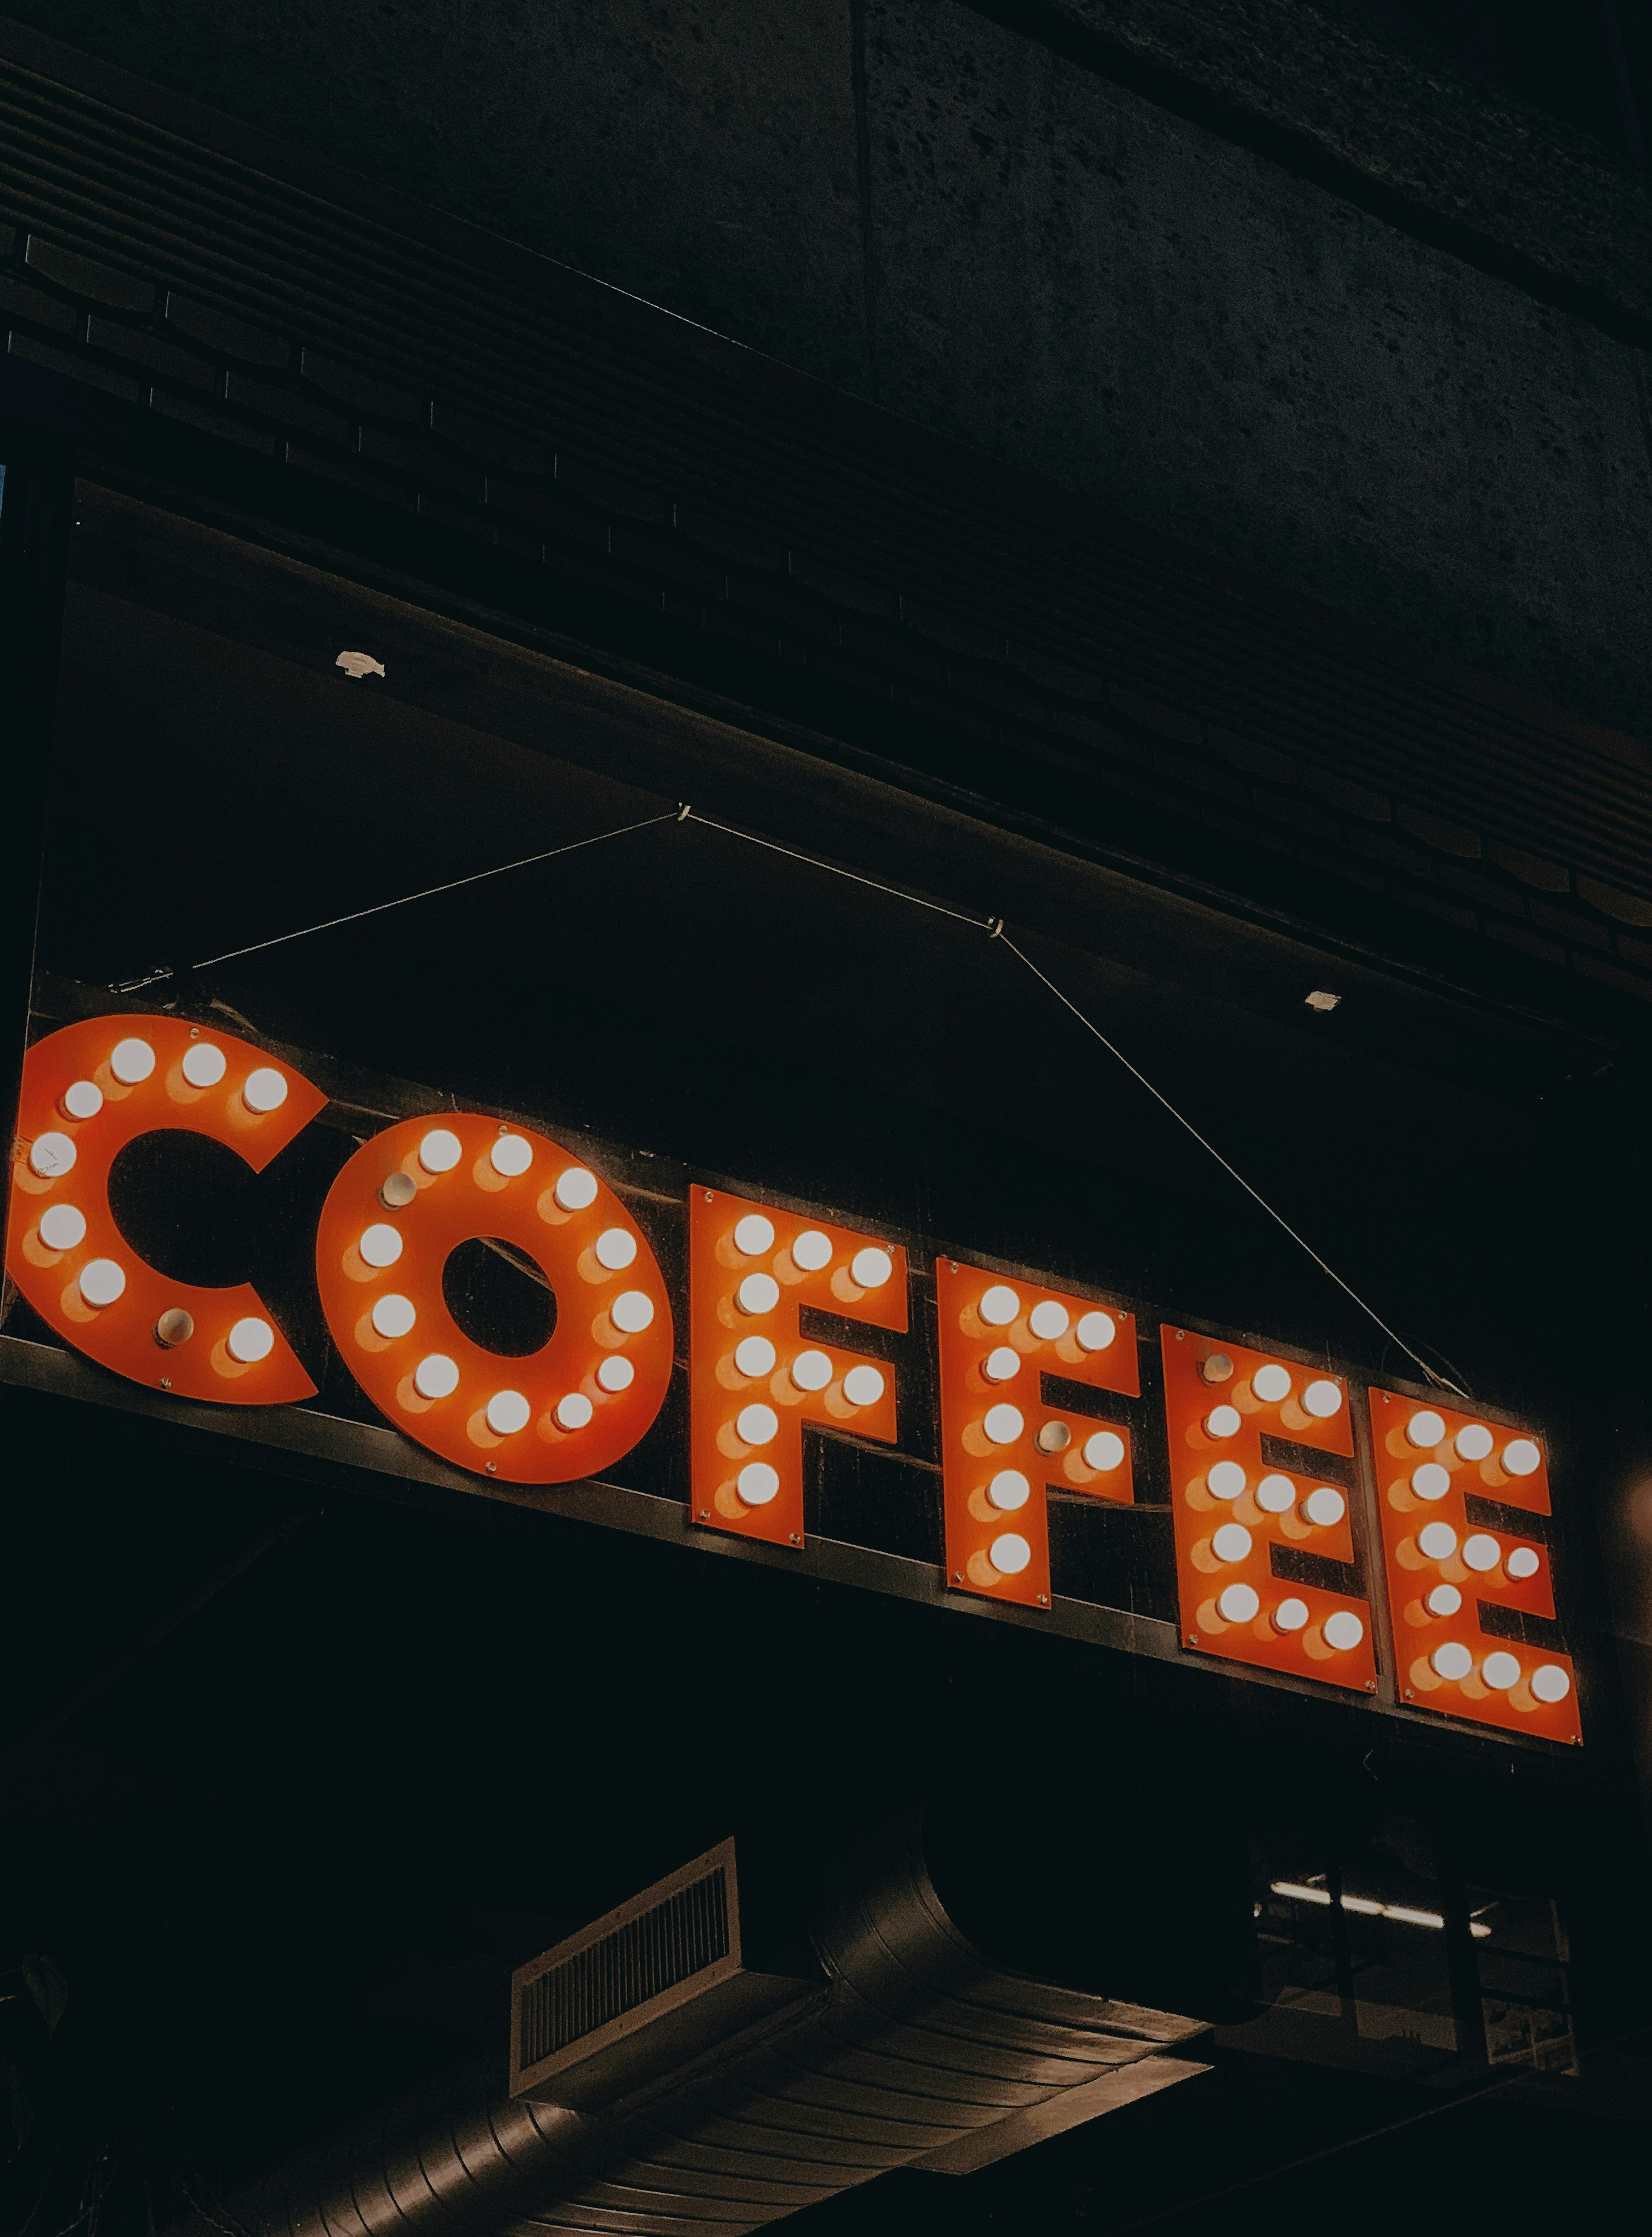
{"x":1321,"y":1533}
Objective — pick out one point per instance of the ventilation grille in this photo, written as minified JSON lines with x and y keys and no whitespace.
{"x":637,"y":1962}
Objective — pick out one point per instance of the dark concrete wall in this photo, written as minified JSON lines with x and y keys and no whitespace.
{"x":1347,"y":382}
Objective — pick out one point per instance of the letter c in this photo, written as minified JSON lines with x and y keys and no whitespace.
{"x":87,"y":1091}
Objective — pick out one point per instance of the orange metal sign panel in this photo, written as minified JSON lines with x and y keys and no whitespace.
{"x":1235,"y":1503}
{"x":756,"y":1378}
{"x":87,"y":1091}
{"x":407,"y":1199}
{"x":1445,"y":1564}
{"x":1003,"y":1447}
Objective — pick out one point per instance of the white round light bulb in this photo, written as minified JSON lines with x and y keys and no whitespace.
{"x":436,"y":1376}
{"x":81,"y":1100}
{"x":508,"y":1411}
{"x":1323,"y":1399}
{"x":1473,"y":1443}
{"x":756,"y":1425}
{"x":1104,"y":1451}
{"x":863,"y":1386}
{"x":1481,"y":1552}
{"x":1239,"y":1604}
{"x":1233,"y":1542}
{"x":1272,"y":1383}
{"x":999,"y":1306}
{"x":380,"y":1244}
{"x":51,"y":1155}
{"x":1451,"y":1661}
{"x":250,"y":1340}
{"x":265,"y":1090}
{"x":1425,"y":1430}
{"x":1048,"y":1321}
{"x":754,"y":1355}
{"x":393,"y":1316}
{"x":1001,"y":1363}
{"x":1444,"y":1599}
{"x":131,"y":1061}
{"x":1342,"y":1630}
{"x":615,"y":1249}
{"x":757,"y":1294}
{"x":204,"y":1064}
{"x":812,"y":1251}
{"x":63,"y":1227}
{"x":1010,"y":1554}
{"x":753,"y":1235}
{"x":1437,"y":1540}
{"x":1431,"y":1481}
{"x":871,"y":1268}
{"x":757,"y":1483}
{"x":511,"y":1156}
{"x":1550,"y":1683}
{"x":1009,"y":1489}
{"x":440,"y":1149}
{"x":1004,"y":1424}
{"x":574,"y":1410}
{"x":616,"y":1373}
{"x":811,"y":1370}
{"x":101,"y":1281}
{"x":1522,"y":1457}
{"x":1276,"y":1495}
{"x":1224,"y":1479}
{"x":1521,"y":1562}
{"x":1222,"y":1421}
{"x":632,"y":1312}
{"x":1500,"y":1671}
{"x":1325,"y":1506}
{"x":576,"y":1189}
{"x":1095,"y":1331}
{"x":1291,"y":1614}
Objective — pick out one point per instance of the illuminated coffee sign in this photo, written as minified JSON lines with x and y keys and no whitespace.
{"x":1039,"y":1388}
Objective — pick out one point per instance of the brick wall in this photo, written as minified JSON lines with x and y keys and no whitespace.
{"x":1006,"y":631}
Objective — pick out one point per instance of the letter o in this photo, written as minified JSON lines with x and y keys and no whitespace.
{"x":507,"y":1417}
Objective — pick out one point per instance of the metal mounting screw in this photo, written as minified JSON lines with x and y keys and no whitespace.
{"x":1371,"y":1685}
{"x":1193,"y":1639}
{"x":493,"y":1468}
{"x":706,"y":1515}
{"x":195,"y":1033}
{"x":1043,"y":1599}
{"x":166,"y":1383}
{"x":795,"y":1539}
{"x":708,"y":1196}
{"x":957,"y":1576}
{"x":1409,"y":1695}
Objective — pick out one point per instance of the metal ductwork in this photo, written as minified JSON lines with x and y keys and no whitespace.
{"x":671,"y":2076}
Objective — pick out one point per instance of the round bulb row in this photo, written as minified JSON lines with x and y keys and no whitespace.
{"x":1322,"y":1399}
{"x":1276,"y":1495}
{"x":1479,"y":1551}
{"x":810,"y":1371}
{"x":812,"y":1251}
{"x":1273,"y":1383}
{"x":52,"y":1154}
{"x":1341,"y":1631}
{"x":1050,"y":1320}
{"x":1005,"y":1424}
{"x":1500,"y":1671}
{"x":1474,"y":1441}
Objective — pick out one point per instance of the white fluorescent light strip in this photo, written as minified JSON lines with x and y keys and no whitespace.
{"x":1400,"y":1912}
